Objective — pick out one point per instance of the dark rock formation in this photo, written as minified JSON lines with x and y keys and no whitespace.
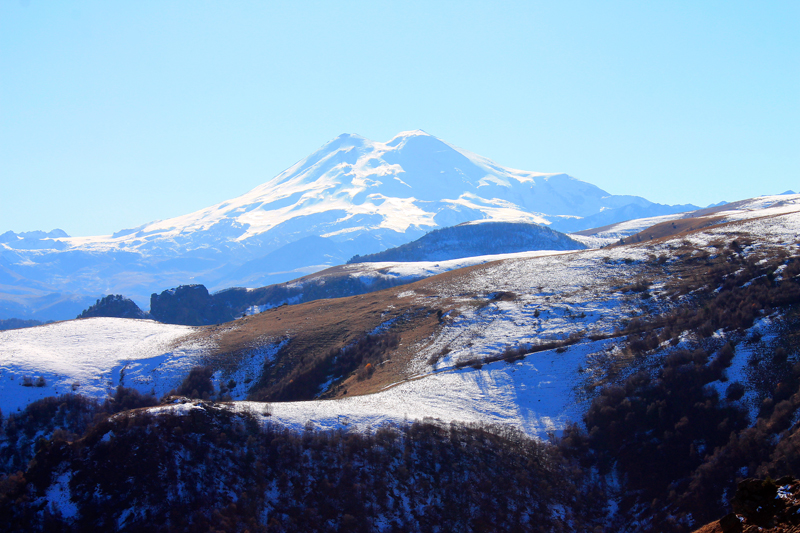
{"x":764,"y":506}
{"x":189,"y":305}
{"x":192,"y":305}
{"x":114,"y":305}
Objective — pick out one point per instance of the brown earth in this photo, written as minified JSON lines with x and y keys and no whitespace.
{"x":315,"y":328}
{"x":672,"y":229}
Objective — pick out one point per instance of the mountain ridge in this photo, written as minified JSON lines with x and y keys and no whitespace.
{"x":362,"y":196}
{"x":475,"y":239}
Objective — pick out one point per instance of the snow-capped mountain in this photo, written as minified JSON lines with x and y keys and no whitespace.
{"x":352,"y":196}
{"x":351,"y":186}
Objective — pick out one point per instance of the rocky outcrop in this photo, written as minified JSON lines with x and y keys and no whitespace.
{"x":764,"y":506}
{"x":190,"y":305}
{"x":193,"y":305}
{"x":114,"y":305}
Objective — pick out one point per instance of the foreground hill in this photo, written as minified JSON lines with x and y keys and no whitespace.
{"x":676,"y":355}
{"x":209,"y":470}
{"x":352,"y":196}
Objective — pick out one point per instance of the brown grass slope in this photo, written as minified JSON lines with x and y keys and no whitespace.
{"x":317,"y":334}
{"x":315,"y":329}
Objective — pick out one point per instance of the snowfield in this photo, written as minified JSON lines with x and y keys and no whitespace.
{"x":91,"y":357}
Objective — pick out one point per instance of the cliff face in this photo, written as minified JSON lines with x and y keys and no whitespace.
{"x":190,"y":305}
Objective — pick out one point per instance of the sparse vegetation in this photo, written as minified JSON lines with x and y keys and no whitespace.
{"x":420,"y":477}
{"x":66,"y":417}
{"x":303,"y":381}
{"x":198,"y":383}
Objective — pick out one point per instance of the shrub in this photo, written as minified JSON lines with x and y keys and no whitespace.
{"x":734,"y":392}
{"x":198,"y":383}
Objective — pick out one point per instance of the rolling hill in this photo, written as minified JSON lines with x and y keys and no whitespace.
{"x":472,"y":239}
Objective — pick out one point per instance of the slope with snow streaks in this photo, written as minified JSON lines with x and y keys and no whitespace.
{"x":585,"y":297}
{"x":536,"y":395}
{"x":667,"y":225}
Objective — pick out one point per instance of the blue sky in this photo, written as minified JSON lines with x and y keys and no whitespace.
{"x":113,"y":114}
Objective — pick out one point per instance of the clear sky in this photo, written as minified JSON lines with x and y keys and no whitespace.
{"x":113,"y":114}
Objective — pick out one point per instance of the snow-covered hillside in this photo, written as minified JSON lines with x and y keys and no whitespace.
{"x":92,"y":357}
{"x":352,"y":196}
{"x":551,"y":296}
{"x":536,"y":396}
{"x":763,"y":206}
{"x":556,"y":296}
{"x":578,"y":291}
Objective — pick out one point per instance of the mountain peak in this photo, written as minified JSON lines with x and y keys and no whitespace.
{"x":353,"y":186}
{"x":413,"y":133}
{"x":350,"y":136}
{"x":404,"y":136}
{"x":362,"y":196}
{"x":344,"y":140}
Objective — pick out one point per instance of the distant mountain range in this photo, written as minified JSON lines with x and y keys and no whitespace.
{"x":351,"y":197}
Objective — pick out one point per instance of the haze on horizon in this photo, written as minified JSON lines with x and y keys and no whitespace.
{"x":114,"y":115}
